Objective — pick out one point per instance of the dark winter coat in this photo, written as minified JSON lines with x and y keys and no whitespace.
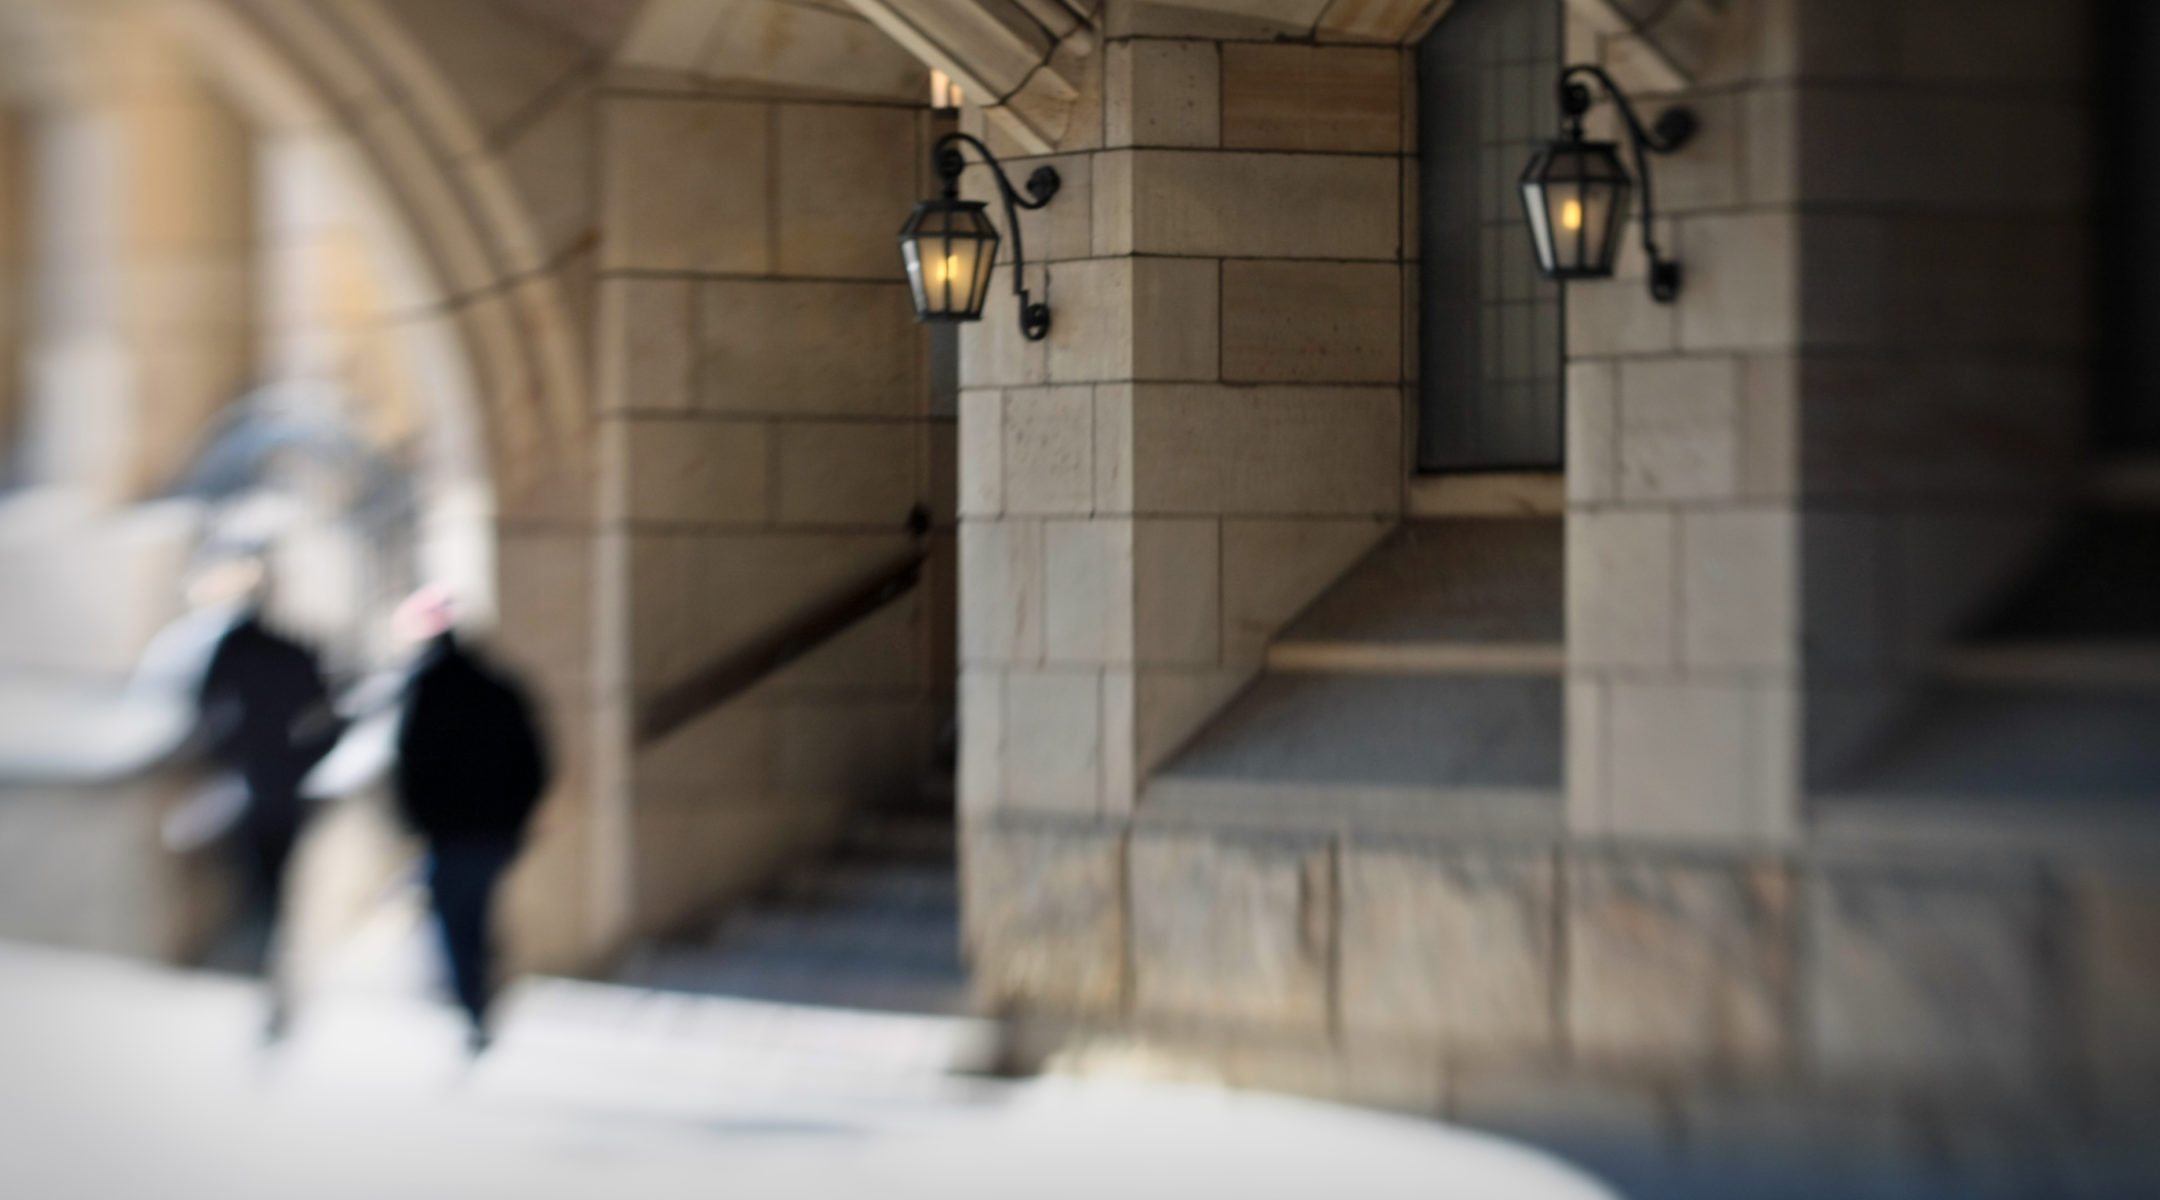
{"x":265,"y":711}
{"x":470,"y":757}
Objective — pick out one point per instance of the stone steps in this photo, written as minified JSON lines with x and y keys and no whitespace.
{"x":1422,"y":689}
{"x":2017,"y":741}
{"x":874,"y":925}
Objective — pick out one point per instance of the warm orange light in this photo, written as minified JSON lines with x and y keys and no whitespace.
{"x":1571,"y":215}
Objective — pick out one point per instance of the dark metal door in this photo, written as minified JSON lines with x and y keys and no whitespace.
{"x":1490,"y":329}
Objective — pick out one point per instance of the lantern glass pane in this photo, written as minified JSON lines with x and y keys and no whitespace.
{"x":948,"y":248}
{"x":1539,"y":215}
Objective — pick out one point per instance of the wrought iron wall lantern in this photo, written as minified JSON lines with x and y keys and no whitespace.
{"x":1575,"y":192}
{"x":949,"y":244}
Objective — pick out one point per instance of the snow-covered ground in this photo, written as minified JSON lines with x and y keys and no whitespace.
{"x":120,"y":1080}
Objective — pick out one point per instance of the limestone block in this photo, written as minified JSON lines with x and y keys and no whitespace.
{"x":982,"y":741}
{"x":1743,"y":283}
{"x":1120,"y":767}
{"x":982,"y":452}
{"x":1046,"y":918}
{"x":1456,"y":947}
{"x":1171,"y":703}
{"x":1679,"y":428}
{"x":1059,"y":231}
{"x":1915,"y":977}
{"x":847,"y":472}
{"x":188,"y":161}
{"x":1769,"y":426}
{"x":1771,"y":144}
{"x":1680,"y":965}
{"x":1230,"y":930}
{"x":1621,"y":587}
{"x":1740,"y":576}
{"x":491,"y":63}
{"x":1177,"y":591}
{"x":1256,"y":205}
{"x":2117,"y":964}
{"x":544,"y":605}
{"x":730,"y":747}
{"x":1110,"y":203}
{"x":1266,"y":451}
{"x":882,"y":652}
{"x":1048,"y":450}
{"x":847,"y":173}
{"x":1588,"y":766}
{"x":1162,"y":93}
{"x":685,"y":185}
{"x":1611,"y":317}
{"x":646,"y":344}
{"x":549,"y":167}
{"x":1053,"y":740}
{"x":1320,"y":98}
{"x":696,"y":595}
{"x":1113,"y":447}
{"x":1702,"y":760}
{"x":992,"y":351}
{"x":1593,"y":431}
{"x":1088,"y":608}
{"x":1708,"y":172}
{"x":1001,"y":582}
{"x":809,"y":349}
{"x":858,"y":748}
{"x":698,"y":470}
{"x":1286,"y":321}
{"x":805,"y":46}
{"x":1135,"y":318}
{"x":1272,"y":569}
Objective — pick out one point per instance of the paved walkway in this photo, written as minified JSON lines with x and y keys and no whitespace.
{"x":119,"y":1080}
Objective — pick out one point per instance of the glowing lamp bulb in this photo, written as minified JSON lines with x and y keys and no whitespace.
{"x":1571,"y":215}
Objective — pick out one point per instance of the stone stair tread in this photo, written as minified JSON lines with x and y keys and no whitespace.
{"x":1461,"y":580}
{"x":2015,"y":742}
{"x":2059,"y":662}
{"x":1419,"y":658}
{"x":1492,"y":734}
{"x":908,"y":886}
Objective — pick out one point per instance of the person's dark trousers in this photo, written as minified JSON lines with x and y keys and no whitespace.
{"x":268,"y":831}
{"x":462,"y":874}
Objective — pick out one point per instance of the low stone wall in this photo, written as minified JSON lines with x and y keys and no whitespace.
{"x":83,"y":867}
{"x":1651,"y":1000}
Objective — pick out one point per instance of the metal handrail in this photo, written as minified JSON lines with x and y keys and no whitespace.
{"x":738,"y":671}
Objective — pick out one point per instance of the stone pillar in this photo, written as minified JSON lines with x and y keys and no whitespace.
{"x":1684,"y":535}
{"x":142,"y":228}
{"x":1210,"y":434}
{"x":765,"y":432}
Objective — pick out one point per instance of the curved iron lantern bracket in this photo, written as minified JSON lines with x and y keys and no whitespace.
{"x":1041,"y":185}
{"x":1674,"y":127}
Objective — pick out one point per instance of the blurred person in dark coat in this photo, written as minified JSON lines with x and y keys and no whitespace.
{"x":471,"y":767}
{"x":265,"y":714}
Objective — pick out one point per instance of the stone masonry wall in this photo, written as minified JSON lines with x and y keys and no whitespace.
{"x":766,"y":430}
{"x":1213,"y":429}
